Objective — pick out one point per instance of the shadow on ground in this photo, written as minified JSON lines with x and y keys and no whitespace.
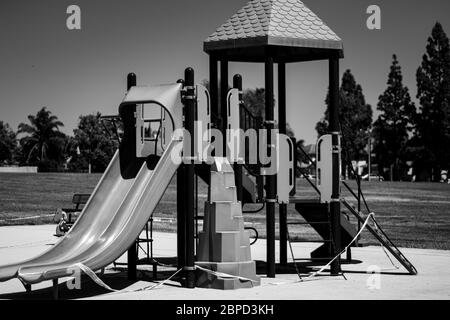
{"x":117,"y":280}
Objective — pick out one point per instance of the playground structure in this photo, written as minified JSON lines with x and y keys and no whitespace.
{"x":154,"y":147}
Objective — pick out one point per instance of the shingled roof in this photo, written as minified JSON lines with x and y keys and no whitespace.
{"x":287,"y":23}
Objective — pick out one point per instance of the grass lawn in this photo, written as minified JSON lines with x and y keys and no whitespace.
{"x":413,"y":214}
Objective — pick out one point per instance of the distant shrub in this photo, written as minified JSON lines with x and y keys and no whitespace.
{"x":49,"y":166}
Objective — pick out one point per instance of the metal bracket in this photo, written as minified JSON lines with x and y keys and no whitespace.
{"x":336,"y":149}
{"x":190,"y":159}
{"x":189,"y":268}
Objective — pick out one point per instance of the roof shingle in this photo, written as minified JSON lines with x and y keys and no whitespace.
{"x":276,"y":22}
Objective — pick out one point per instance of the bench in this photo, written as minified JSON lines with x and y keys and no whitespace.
{"x":78,"y":200}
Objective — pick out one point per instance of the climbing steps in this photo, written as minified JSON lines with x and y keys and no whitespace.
{"x":224,"y":244}
{"x":249,"y":190}
{"x":384,"y":240}
{"x":316,"y":215}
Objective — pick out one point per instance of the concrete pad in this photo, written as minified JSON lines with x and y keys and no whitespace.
{"x":19,"y":243}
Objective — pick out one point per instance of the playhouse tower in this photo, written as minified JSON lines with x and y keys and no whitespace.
{"x":277,"y":32}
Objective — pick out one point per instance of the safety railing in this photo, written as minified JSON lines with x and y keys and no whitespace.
{"x":299,"y":169}
{"x":249,"y":121}
{"x":114,"y":121}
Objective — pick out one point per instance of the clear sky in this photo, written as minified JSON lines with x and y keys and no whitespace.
{"x":42,"y":63}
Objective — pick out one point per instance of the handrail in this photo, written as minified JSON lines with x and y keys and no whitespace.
{"x":256,"y":234}
{"x":249,"y":121}
{"x":255,"y":211}
{"x":113,"y":120}
{"x":350,"y":189}
{"x":306,"y":155}
{"x":310,"y":182}
{"x":301,"y":171}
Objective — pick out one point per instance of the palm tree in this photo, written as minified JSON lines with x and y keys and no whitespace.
{"x":43,"y":136}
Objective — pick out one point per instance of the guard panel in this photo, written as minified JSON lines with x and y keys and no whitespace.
{"x":324,"y":168}
{"x":286,"y":172}
{"x":203,"y":123}
{"x":234,"y":134}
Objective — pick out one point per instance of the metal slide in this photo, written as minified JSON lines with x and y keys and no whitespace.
{"x":111,"y":221}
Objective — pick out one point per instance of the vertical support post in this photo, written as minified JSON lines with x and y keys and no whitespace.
{"x":270,"y":180}
{"x":359,"y":206}
{"x":213,"y":90}
{"x":55,"y":289}
{"x":223,"y":100}
{"x":181,"y":212}
{"x":295,"y":155}
{"x":189,"y":105}
{"x":132,"y":254}
{"x":282,"y":129}
{"x":237,"y":84}
{"x":181,"y":217}
{"x":335,"y":205}
{"x":370,"y":156}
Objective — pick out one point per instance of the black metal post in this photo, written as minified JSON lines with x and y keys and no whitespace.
{"x":55,"y":289}
{"x":213,"y":90}
{"x":223,"y":101}
{"x":189,"y":105}
{"x":181,"y":212}
{"x":282,"y":129}
{"x":132,"y":254}
{"x":270,"y":180}
{"x":295,"y":156}
{"x":181,"y":218}
{"x":359,"y":205}
{"x":335,"y":205}
{"x":237,"y":84}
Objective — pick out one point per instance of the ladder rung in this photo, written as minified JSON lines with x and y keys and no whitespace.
{"x":152,"y":120}
{"x":144,"y":240}
{"x":301,"y":223}
{"x":308,"y":241}
{"x":312,"y":259}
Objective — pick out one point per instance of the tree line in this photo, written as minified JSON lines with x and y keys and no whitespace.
{"x":43,"y":144}
{"x":409,"y":141}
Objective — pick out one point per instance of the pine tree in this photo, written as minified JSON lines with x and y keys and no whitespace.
{"x":355,"y":117}
{"x":394,"y":125}
{"x":433,"y":92}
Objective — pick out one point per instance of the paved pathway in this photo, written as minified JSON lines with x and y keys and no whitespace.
{"x":18,"y":243}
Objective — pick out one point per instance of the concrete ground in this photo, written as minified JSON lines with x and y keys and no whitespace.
{"x":18,"y":243}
